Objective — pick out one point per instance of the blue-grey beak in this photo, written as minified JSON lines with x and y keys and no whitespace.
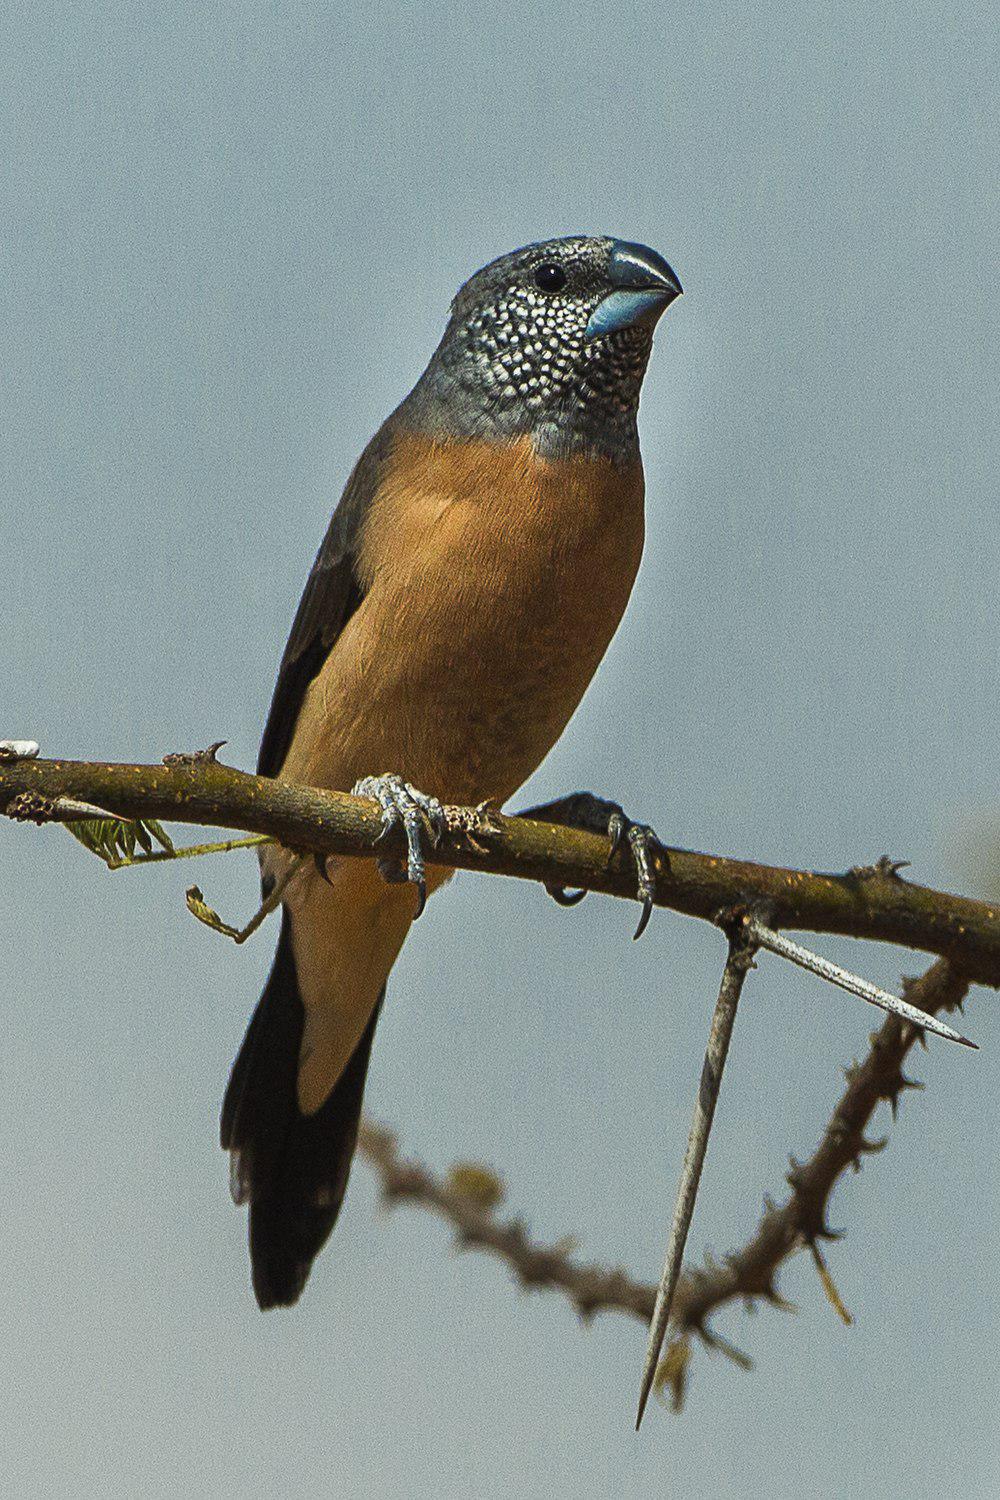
{"x":644,"y":286}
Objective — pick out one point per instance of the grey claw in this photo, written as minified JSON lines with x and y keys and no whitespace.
{"x":639,"y":840}
{"x":416,"y":813}
{"x":617,"y":826}
{"x":599,"y":815}
{"x":647,"y":912}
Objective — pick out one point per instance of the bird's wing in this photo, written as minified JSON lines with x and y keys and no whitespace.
{"x":332,"y":594}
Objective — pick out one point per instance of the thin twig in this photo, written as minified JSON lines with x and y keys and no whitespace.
{"x":738,"y":964}
{"x":193,"y":851}
{"x":198,"y":907}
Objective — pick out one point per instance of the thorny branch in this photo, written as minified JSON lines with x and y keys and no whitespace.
{"x":872,"y":902}
{"x":469,"y":1197}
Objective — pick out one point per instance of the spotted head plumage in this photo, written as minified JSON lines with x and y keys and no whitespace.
{"x":553,"y":341}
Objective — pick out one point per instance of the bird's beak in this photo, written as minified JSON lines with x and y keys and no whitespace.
{"x":644,"y":287}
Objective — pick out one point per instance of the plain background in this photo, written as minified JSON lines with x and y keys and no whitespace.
{"x":230,"y":233}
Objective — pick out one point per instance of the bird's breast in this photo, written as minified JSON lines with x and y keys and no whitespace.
{"x":493,"y":582}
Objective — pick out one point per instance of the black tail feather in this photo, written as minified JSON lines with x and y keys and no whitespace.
{"x":291,"y":1168}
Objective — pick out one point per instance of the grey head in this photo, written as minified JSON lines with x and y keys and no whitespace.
{"x":551,"y":342}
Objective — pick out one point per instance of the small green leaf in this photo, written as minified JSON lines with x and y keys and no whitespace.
{"x":160,"y":834}
{"x":115,"y":840}
{"x":199,"y":907}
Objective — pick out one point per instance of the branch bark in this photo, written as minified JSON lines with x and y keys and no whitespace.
{"x":872,"y":902}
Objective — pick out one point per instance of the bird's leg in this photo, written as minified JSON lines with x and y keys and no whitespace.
{"x":417,"y":814}
{"x":598,"y":815}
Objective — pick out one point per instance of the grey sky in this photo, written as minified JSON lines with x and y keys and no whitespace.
{"x":230,"y":236}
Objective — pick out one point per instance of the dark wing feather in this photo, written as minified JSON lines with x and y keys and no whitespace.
{"x":332,"y":594}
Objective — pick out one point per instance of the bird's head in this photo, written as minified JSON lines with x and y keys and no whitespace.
{"x":552,"y":341}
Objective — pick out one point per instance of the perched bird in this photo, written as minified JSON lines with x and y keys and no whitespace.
{"x":470,"y":581}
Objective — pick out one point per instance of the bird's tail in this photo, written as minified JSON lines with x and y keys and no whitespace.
{"x":291,"y":1168}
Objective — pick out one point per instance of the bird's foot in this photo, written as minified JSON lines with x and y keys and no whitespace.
{"x":599,"y":815}
{"x":416,"y":814}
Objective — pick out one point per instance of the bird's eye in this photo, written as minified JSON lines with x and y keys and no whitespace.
{"x":549,"y":277}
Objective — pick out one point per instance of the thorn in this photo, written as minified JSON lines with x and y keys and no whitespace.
{"x":776,"y":942}
{"x":776,"y":1300}
{"x":720,"y":1032}
{"x":829,"y":1286}
{"x":897,"y":1088}
{"x":813,"y":1223}
{"x":713,"y":1340}
{"x":71,"y":810}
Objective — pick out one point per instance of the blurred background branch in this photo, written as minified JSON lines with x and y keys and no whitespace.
{"x":469,"y":1195}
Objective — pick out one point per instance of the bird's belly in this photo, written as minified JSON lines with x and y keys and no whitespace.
{"x":466,"y":659}
{"x":464,"y":701}
{"x":482,"y":717}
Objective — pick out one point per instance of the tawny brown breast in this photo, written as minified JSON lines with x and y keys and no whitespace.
{"x":494,"y":582}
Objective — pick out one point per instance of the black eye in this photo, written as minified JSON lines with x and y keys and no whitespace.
{"x":549,"y":277}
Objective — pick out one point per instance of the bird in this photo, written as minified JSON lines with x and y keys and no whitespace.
{"x":472,"y":576}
